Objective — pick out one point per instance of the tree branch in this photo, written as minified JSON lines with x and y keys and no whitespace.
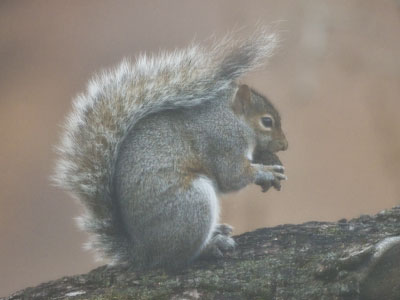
{"x":357,"y":259}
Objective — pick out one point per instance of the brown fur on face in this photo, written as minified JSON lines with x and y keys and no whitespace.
{"x":252,"y":106}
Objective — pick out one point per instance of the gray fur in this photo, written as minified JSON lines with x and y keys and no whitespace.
{"x":127,"y":135}
{"x":161,"y":153}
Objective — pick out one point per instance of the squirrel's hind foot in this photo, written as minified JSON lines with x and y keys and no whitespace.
{"x":220,"y":243}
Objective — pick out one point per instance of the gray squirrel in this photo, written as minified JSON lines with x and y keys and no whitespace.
{"x":150,"y":145}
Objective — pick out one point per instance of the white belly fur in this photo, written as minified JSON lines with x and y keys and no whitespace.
{"x":206,"y":187}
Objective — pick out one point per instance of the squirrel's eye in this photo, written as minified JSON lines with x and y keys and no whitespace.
{"x":267,"y":122}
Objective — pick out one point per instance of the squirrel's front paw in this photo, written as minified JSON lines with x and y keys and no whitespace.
{"x":268,"y":176}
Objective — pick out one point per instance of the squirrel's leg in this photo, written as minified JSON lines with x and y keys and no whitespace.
{"x":178,"y":227}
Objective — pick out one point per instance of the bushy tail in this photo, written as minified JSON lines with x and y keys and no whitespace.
{"x":116,"y":100}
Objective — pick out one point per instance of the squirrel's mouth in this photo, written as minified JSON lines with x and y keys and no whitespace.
{"x":266,"y":158}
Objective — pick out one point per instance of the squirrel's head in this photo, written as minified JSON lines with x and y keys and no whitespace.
{"x":262,"y":117}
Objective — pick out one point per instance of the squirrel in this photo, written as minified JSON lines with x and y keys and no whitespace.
{"x":150,"y":145}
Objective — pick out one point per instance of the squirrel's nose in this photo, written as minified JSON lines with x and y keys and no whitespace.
{"x":283,"y":144}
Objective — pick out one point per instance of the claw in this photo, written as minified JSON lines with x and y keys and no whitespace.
{"x":280,"y":176}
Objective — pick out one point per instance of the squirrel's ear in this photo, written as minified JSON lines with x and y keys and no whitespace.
{"x":242,"y":99}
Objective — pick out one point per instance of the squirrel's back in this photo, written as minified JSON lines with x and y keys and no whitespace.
{"x":117,"y":100}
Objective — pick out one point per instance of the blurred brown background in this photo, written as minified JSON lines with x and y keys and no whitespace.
{"x":336,"y":80}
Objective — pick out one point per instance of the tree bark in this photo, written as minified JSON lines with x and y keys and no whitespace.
{"x":356,"y":259}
